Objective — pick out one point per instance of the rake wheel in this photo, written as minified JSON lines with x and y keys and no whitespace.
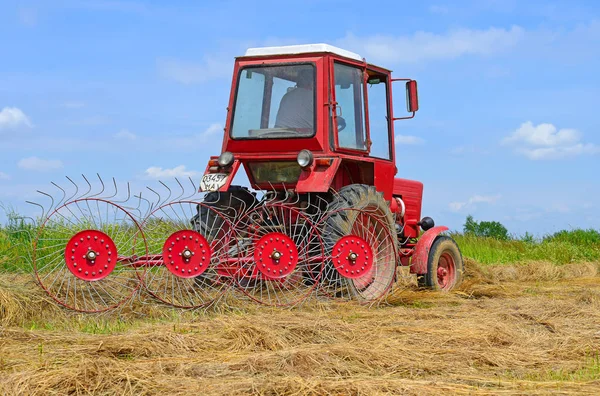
{"x":280,"y":255}
{"x":360,"y":244}
{"x":84,"y":255}
{"x":182,"y":262}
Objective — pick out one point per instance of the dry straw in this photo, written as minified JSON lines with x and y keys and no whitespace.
{"x":528,"y":329}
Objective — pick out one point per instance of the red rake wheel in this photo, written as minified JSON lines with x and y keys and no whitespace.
{"x":280,"y":254}
{"x":91,"y":255}
{"x":187,"y":254}
{"x":275,"y":255}
{"x":354,"y":257}
{"x":84,"y":255}
{"x":361,"y":255}
{"x":184,"y":257}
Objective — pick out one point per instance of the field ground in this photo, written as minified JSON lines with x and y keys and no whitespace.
{"x":510,"y":329}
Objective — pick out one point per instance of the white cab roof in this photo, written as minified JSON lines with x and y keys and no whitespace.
{"x":301,"y":49}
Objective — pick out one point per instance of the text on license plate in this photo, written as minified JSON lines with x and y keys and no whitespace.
{"x":213,"y":181}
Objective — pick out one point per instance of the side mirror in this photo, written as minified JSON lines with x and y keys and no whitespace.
{"x":412,"y":97}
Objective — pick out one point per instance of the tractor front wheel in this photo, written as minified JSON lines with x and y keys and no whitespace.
{"x":444,"y":266}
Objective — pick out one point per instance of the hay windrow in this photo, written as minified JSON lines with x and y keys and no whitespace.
{"x":509,"y":329}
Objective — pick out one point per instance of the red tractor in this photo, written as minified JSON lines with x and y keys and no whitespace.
{"x":313,"y":127}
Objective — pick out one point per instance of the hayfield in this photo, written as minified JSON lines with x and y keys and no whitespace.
{"x":519,"y":324}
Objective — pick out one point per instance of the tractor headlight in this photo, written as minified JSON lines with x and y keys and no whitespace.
{"x":305,"y":158}
{"x":225,"y":159}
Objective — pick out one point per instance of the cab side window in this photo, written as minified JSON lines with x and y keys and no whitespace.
{"x":379,"y":119}
{"x":350,"y":102}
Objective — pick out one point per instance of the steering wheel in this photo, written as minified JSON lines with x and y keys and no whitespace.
{"x":341,"y":123}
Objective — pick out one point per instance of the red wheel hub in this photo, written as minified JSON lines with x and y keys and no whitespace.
{"x":91,"y":255}
{"x":352,"y":257}
{"x":186,"y":253}
{"x":446,"y":271}
{"x":276,"y":255}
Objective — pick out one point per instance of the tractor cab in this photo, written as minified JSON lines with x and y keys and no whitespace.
{"x":308,"y":117}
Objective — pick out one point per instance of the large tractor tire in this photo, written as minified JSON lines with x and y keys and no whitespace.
{"x":233,"y":204}
{"x":210,"y":222}
{"x":445,"y":266}
{"x":359,"y":210}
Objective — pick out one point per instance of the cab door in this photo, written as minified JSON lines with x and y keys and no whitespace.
{"x":349,"y":119}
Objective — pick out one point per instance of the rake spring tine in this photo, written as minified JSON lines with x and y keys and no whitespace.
{"x":63,"y":192}
{"x":76,"y":189}
{"x":159,"y":198}
{"x":170,"y":193}
{"x":102,"y":184}
{"x":89,"y":187}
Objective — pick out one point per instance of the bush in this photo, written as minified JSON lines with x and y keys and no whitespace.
{"x":488,"y":229}
{"x":575,"y":237}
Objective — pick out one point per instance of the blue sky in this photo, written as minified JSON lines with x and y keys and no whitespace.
{"x":508,"y":128}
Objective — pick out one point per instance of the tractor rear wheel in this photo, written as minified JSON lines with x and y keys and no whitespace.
{"x":232,"y":204}
{"x":214,"y":218}
{"x":359,"y":213}
{"x":444,"y":266}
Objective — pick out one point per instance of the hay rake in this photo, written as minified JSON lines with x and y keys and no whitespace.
{"x":96,"y":249}
{"x":326,"y":216}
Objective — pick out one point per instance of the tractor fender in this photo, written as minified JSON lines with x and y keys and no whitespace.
{"x":421,"y":255}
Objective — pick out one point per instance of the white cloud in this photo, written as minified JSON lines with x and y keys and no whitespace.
{"x":471,"y":202}
{"x":125,"y":134}
{"x":545,"y":141}
{"x":408,"y":140}
{"x":12,"y":117}
{"x":39,"y":164}
{"x":213,"y":129}
{"x":212,"y":134}
{"x":4,"y":176}
{"x":156,"y":172}
{"x":184,"y":72}
{"x":424,"y":46}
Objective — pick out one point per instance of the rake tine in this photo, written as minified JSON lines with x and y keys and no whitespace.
{"x":76,"y":189}
{"x":102,"y":183}
{"x":150,"y":206}
{"x":63,"y":191}
{"x":170,"y":193}
{"x":116,"y":190}
{"x":182,"y":190}
{"x":128,"y":193}
{"x":51,"y":199}
{"x":39,"y":206}
{"x":195,"y":189}
{"x":89,"y":187}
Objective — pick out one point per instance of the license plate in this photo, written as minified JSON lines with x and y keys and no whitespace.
{"x":213,"y":181}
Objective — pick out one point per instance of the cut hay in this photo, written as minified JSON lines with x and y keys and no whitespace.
{"x":498,"y":334}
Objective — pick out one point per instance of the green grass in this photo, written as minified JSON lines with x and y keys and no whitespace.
{"x":563,"y":247}
{"x":589,"y":371}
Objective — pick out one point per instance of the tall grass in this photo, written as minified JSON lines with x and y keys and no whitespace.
{"x":15,"y":241}
{"x":563,"y":247}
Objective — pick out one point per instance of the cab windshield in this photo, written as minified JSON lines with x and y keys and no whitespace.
{"x":275,"y":102}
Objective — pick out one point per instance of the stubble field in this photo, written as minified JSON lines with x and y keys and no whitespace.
{"x":510,"y":329}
